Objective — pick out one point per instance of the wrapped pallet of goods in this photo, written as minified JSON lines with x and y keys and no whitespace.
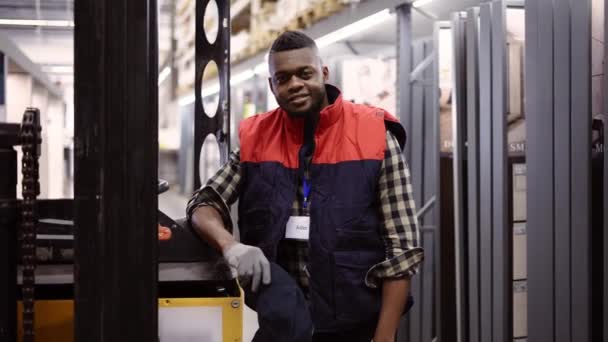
{"x":286,"y":13}
{"x":238,"y":45}
{"x":261,"y":32}
{"x":185,"y":35}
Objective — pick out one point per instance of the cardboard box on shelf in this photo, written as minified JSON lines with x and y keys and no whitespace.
{"x":519,"y":251}
{"x":520,"y":309}
{"x":519,"y":192}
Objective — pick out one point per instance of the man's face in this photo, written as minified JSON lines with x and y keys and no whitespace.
{"x":297,"y":80}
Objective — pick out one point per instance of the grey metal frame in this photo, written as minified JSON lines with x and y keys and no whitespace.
{"x":561,"y":78}
{"x":415,"y":144}
{"x":409,"y":325}
{"x":3,"y":75}
{"x":459,"y":122}
{"x":420,"y":319}
{"x":416,"y":130}
{"x":472,"y":59}
{"x":485,"y":171}
{"x":437,"y":159}
{"x":581,"y":169}
{"x":559,"y":208}
{"x":502,"y":236}
{"x":539,"y":100}
{"x":430,"y":190}
{"x":404,"y":67}
{"x":416,"y":111}
{"x":605,"y":190}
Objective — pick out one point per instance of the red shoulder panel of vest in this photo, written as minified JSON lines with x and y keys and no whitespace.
{"x":264,"y":138}
{"x":358,"y":133}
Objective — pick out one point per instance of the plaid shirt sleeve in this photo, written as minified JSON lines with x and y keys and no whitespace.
{"x":220,"y":191}
{"x":400,"y":229}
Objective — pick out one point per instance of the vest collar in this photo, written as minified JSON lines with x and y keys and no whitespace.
{"x":328,"y":116}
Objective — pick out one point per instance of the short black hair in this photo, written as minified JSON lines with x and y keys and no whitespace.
{"x":292,"y":40}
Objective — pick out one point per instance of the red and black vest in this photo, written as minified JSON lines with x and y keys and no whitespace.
{"x":345,"y":216}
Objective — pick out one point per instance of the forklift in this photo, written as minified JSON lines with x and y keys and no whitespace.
{"x":107,"y":265}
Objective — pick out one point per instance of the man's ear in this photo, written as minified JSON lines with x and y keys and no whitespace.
{"x":325,"y":73}
{"x":270,"y":84}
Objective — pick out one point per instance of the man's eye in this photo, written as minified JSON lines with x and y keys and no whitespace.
{"x":281,"y":79}
{"x":306,"y":74}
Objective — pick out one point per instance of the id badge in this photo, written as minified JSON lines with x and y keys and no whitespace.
{"x":298,"y":228}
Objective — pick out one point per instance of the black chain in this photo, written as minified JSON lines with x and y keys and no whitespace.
{"x":30,"y":144}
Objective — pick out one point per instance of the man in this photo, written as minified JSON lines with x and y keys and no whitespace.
{"x":326,"y":214}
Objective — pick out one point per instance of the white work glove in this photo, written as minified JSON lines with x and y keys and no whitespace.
{"x":248,"y":262}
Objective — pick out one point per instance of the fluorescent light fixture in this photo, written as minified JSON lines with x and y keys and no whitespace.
{"x":58,"y":69}
{"x":354,"y":28}
{"x":261,"y":69}
{"x":186,"y":100}
{"x":211,"y":90}
{"x":324,"y":41}
{"x":241,"y":77}
{"x":35,"y":22}
{"x":419,"y":3}
{"x":163,"y":75}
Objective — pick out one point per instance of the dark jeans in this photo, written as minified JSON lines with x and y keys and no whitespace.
{"x":364,"y":334}
{"x":284,"y":315}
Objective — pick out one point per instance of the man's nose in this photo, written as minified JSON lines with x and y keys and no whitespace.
{"x":295,"y":83}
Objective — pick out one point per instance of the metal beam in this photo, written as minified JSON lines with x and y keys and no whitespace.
{"x":3,"y":74}
{"x":605,"y":177}
{"x":581,"y":169}
{"x":416,"y":122}
{"x":427,"y":206}
{"x":502,"y":289}
{"x":427,"y":286}
{"x":459,"y":110}
{"x":404,"y":68}
{"x":540,"y":210}
{"x":416,"y":130}
{"x":420,"y":68}
{"x":116,"y":148}
{"x":472,"y":60}
{"x":430,"y":195}
{"x":485,"y":171}
{"x":561,"y":168}
{"x":440,"y":306}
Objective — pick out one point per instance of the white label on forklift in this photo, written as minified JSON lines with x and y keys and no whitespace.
{"x":298,"y":228}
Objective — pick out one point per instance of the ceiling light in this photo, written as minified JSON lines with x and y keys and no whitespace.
{"x":241,"y":77}
{"x":419,"y":3}
{"x":33,"y":22}
{"x":352,"y":29}
{"x":58,"y":69}
{"x":162,"y":76}
{"x":186,"y":100}
{"x":208,"y":91}
{"x":261,"y":69}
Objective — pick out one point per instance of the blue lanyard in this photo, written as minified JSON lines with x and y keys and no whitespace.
{"x":307,"y":186}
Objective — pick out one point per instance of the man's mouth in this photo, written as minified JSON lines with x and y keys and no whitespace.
{"x":298,"y":100}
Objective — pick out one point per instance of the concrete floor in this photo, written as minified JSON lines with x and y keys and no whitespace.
{"x":174,"y":204}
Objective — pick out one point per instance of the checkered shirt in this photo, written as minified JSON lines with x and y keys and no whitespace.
{"x":399,"y":231}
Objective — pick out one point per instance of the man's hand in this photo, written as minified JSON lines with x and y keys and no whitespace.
{"x":249,"y":262}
